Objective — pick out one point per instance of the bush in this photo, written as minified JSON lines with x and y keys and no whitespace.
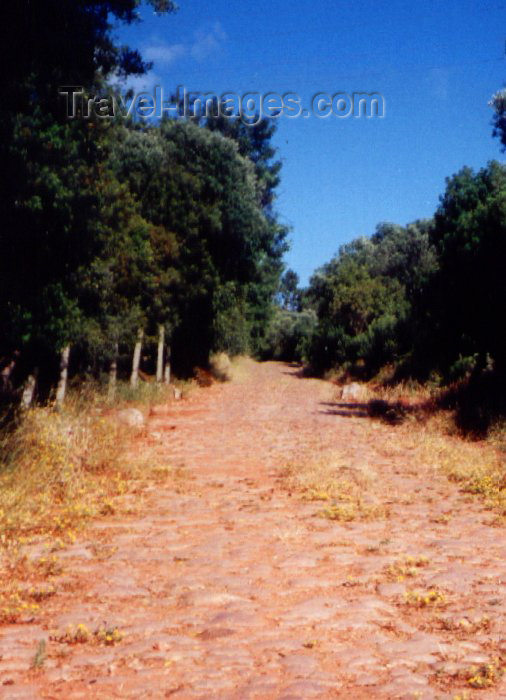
{"x":289,"y":335}
{"x":221,"y":367}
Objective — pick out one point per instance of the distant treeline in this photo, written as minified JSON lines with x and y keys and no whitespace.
{"x":114,"y":230}
{"x":428,"y":296}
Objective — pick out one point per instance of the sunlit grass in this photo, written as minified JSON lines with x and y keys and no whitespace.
{"x":59,"y":469}
{"x":432,"y":439}
{"x":426,"y":442}
{"x":477,"y":467}
{"x":56,"y":471}
{"x":81,"y":634}
{"x":347,"y":491}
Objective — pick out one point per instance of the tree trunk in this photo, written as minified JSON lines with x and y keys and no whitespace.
{"x":29,"y":390}
{"x":159,"y":359}
{"x":62,"y":382}
{"x":113,"y":374}
{"x":6,"y":374}
{"x":166,"y":373}
{"x":134,"y":377}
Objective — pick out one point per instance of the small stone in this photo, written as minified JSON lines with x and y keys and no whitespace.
{"x":353,"y":392}
{"x":131,"y":417}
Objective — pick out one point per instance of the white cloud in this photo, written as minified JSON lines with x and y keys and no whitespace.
{"x":204,"y":43}
{"x":164,"y":53}
{"x":143,"y":83}
{"x":208,"y":42}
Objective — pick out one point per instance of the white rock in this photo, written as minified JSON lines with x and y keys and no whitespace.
{"x":132,"y":417}
{"x":353,"y":392}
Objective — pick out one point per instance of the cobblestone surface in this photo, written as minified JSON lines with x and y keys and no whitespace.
{"x":229,"y":586}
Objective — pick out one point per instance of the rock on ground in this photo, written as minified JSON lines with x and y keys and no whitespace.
{"x":131,"y":417}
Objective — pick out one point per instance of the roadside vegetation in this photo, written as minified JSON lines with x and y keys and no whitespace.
{"x":411,"y":311}
{"x":58,"y":470}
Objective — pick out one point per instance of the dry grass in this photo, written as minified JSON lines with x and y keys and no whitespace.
{"x":426,"y":437}
{"x":347,"y":491}
{"x":80,"y":634}
{"x":477,"y":467}
{"x":58,"y":469}
{"x":409,"y":392}
{"x":240,"y":369}
{"x":425,"y":599}
{"x":221,"y":367}
{"x":144,"y":394}
{"x":406,"y":567}
{"x":431,"y":437}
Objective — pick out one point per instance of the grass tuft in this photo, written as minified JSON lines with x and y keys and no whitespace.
{"x":327,"y":476}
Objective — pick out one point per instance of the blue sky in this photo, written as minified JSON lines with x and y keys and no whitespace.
{"x":436,"y":63}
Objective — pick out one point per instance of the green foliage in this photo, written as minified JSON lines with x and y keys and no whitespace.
{"x":424,"y":297}
{"x":254,"y":141}
{"x":290,"y":296}
{"x":194,"y":183}
{"x":364,"y":297}
{"x":498,"y":104}
{"x":109,"y":227}
{"x":289,"y":335}
{"x":470,"y":240}
{"x":231,"y":333}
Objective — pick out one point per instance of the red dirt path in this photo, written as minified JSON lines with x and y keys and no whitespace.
{"x":230,"y":587}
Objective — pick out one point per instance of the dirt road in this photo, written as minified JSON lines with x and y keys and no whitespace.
{"x":229,"y":586}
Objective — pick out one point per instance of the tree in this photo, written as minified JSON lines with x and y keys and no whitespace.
{"x":470,"y":239}
{"x":113,"y":228}
{"x":254,"y":139}
{"x":358,"y":313}
{"x":498,"y":103}
{"x":194,"y":183}
{"x":289,"y":292}
{"x":50,"y":165}
{"x":289,"y":335}
{"x":368,"y":298}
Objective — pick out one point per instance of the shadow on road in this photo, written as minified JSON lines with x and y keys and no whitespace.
{"x":392,"y":413}
{"x":348,"y":410}
{"x":295,"y":369}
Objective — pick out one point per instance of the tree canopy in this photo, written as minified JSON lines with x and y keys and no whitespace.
{"x":110,"y":226}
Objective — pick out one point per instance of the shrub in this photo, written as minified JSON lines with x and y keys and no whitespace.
{"x":221,"y":367}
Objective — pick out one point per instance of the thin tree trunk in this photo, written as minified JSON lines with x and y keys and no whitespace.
{"x":6,"y":374}
{"x":134,"y":377}
{"x":64,"y":371}
{"x":113,"y":374}
{"x":29,"y":390}
{"x":159,"y":359}
{"x":166,"y":373}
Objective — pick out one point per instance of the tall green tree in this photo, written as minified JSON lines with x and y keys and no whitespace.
{"x":194,"y":184}
{"x":50,"y":164}
{"x":470,"y":240}
{"x":498,"y":104}
{"x":290,"y":295}
{"x":369,"y":296}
